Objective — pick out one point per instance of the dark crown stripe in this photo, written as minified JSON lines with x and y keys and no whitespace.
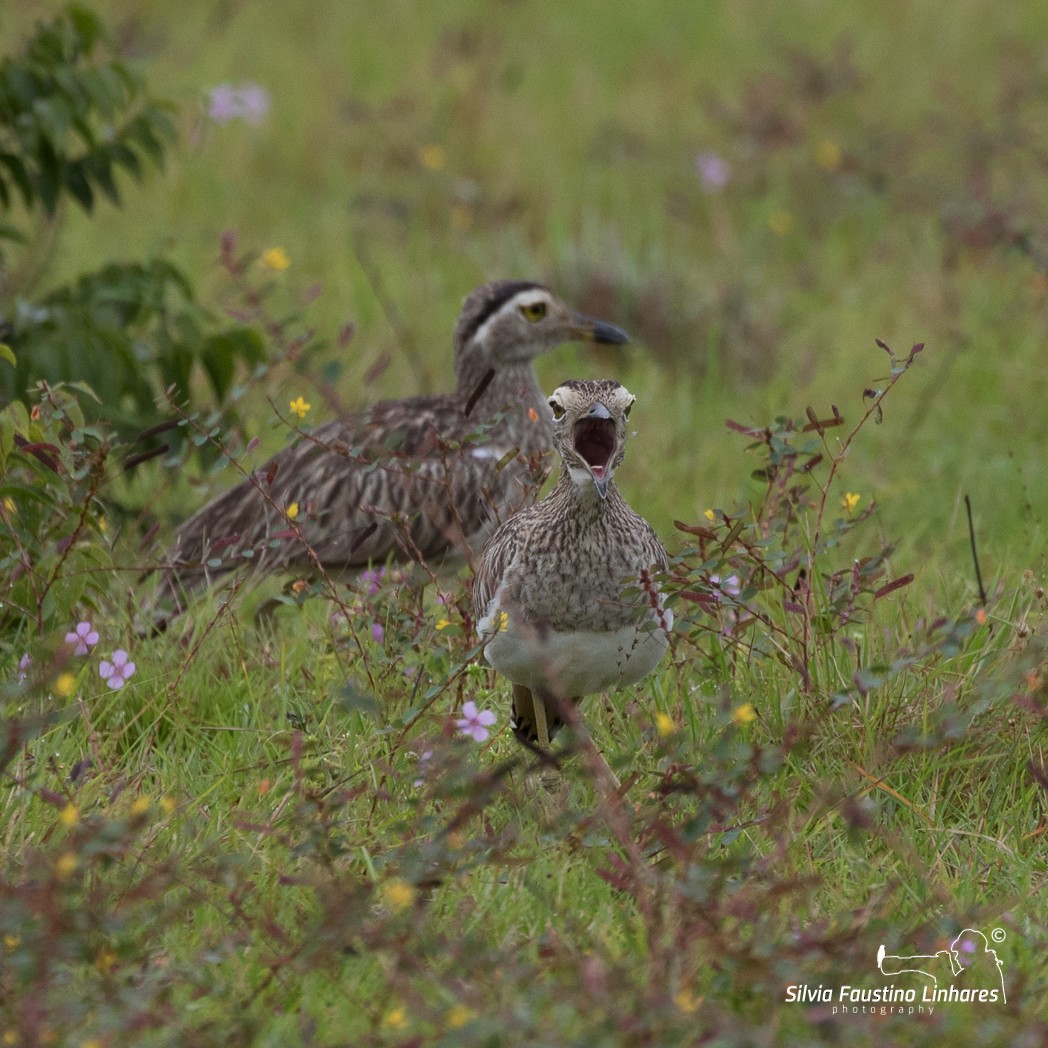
{"x":591,"y":384}
{"x":495,"y":297}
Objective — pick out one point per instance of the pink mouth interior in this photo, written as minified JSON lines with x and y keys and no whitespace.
{"x":595,"y":442}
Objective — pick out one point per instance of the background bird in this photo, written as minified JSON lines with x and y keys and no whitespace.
{"x":565,"y":593}
{"x":421,"y":479}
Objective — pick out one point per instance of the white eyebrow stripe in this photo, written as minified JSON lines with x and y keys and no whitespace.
{"x":522,"y":298}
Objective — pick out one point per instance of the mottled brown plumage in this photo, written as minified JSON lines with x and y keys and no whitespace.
{"x":420,"y":479}
{"x":565,"y":594}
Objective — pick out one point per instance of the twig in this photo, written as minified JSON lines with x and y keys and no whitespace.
{"x":975,"y":552}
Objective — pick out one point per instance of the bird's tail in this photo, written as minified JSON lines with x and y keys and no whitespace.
{"x":231,"y":532}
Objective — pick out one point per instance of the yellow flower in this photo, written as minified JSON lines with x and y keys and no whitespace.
{"x":828,"y":155}
{"x":432,"y":157}
{"x":66,"y":864}
{"x":10,"y":1037}
{"x":140,"y":806}
{"x":442,"y":624}
{"x":300,"y":406}
{"x":275,"y":258}
{"x":459,"y":1016}
{"x":664,"y":722}
{"x":106,"y":960}
{"x":64,"y":685}
{"x":850,"y":501}
{"x":396,"y":1019}
{"x":780,"y":222}
{"x":292,"y":511}
{"x":744,"y":714}
{"x":397,"y":894}
{"x":710,"y":515}
{"x":69,"y":816}
{"x":687,"y":1002}
{"x":167,"y":805}
{"x":12,"y":942}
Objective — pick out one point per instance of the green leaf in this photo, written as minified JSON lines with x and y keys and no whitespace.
{"x":100,"y":167}
{"x":17,"y":170}
{"x":127,"y":159}
{"x":87,"y":26}
{"x":77,"y":184}
{"x":10,"y":232}
{"x":7,"y":353}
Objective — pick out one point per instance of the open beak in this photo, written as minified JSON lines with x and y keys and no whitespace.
{"x":594,"y":439}
{"x":586,"y":329}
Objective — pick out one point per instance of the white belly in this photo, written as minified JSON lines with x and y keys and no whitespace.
{"x":577,"y":663}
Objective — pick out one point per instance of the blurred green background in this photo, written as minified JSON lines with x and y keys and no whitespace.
{"x":755,"y":190}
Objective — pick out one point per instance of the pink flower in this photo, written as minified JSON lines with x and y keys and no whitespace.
{"x":713,"y":170}
{"x":373,"y":579}
{"x":23,"y":665}
{"x":474,"y":722}
{"x":730,"y":586}
{"x":249,"y":103}
{"x":118,"y":672}
{"x":83,"y":637}
{"x":423,"y":766}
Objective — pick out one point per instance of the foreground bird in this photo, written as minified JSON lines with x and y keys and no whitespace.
{"x":565,"y":594}
{"x":423,"y":479}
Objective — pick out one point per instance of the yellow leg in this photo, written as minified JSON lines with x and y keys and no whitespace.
{"x":541,"y":727}
{"x":530,"y":709}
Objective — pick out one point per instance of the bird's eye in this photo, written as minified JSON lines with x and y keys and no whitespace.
{"x":534,"y":311}
{"x":557,"y":408}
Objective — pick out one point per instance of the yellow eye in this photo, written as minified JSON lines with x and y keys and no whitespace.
{"x":557,"y":408}
{"x":535,"y":311}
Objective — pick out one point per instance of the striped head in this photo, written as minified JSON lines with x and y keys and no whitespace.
{"x":513,"y":321}
{"x":589,"y":429}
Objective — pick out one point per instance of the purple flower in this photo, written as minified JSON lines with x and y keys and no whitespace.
{"x":249,"y":103}
{"x":423,"y":766}
{"x":474,"y":722}
{"x":714,"y":171}
{"x":377,"y":632}
{"x":118,"y":672}
{"x":730,"y":586}
{"x":372,"y":578}
{"x":23,"y":665}
{"x":83,"y":637}
{"x":254,"y":100}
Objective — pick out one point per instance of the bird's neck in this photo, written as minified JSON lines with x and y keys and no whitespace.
{"x":507,"y":392}
{"x":584,"y":497}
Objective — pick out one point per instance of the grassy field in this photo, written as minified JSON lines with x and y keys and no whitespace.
{"x":280,"y":837}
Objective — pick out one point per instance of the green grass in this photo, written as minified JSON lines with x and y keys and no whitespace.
{"x":248,"y":859}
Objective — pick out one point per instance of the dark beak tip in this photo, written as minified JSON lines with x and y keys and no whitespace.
{"x":600,"y":331}
{"x":609,"y":334}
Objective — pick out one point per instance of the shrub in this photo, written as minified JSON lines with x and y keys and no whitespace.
{"x":73,"y":117}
